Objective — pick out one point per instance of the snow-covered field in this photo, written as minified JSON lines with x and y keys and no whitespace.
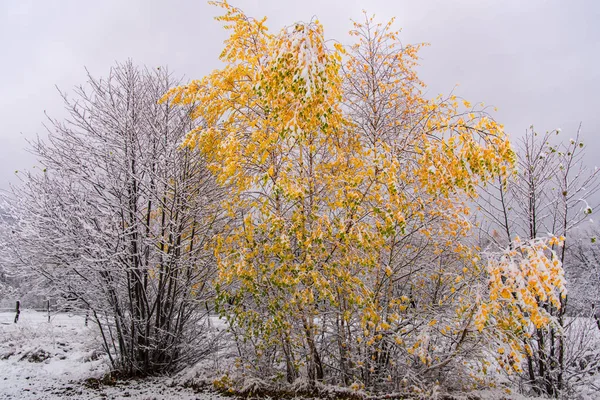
{"x":52,"y":360}
{"x":62,"y":359}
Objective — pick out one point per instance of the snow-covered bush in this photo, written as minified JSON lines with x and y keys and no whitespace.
{"x":117,"y":218}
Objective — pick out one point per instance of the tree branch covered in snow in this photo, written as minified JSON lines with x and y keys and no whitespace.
{"x":119,"y":218}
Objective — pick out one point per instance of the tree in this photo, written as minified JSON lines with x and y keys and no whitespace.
{"x":118,"y":219}
{"x":7,"y":286}
{"x":584,"y":270}
{"x":346,"y":261}
{"x":550,"y":194}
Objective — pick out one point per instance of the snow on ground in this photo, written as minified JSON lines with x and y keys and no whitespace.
{"x":584,"y":340}
{"x":51,"y":360}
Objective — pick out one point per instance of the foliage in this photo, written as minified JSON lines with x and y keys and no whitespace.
{"x":524,"y":280}
{"x":316,"y":194}
{"x":551,"y":193}
{"x":346,"y":260}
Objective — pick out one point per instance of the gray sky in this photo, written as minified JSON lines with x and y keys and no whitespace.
{"x":537,"y":61}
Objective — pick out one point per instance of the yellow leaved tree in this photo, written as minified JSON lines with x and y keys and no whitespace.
{"x":346,"y":260}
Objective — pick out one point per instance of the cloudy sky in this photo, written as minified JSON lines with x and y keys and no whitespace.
{"x":536,"y":61}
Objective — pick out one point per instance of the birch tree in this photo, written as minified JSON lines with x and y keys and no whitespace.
{"x":346,"y":262}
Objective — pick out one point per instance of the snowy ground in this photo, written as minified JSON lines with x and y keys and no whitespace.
{"x":52,"y":360}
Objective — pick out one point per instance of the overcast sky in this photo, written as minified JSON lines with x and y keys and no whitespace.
{"x":536,"y":61}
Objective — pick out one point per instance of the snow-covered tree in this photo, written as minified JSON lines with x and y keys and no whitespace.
{"x":584,"y":270}
{"x":117,"y":218}
{"x":551,"y":193}
{"x":7,"y":285}
{"x":347,"y":262}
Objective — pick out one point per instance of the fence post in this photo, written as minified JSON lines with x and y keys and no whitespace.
{"x":48,"y":309}
{"x":18,"y":310}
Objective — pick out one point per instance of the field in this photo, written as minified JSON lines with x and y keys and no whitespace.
{"x":61,"y":359}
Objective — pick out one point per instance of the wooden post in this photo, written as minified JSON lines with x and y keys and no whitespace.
{"x":18,"y":310}
{"x":48,"y":309}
